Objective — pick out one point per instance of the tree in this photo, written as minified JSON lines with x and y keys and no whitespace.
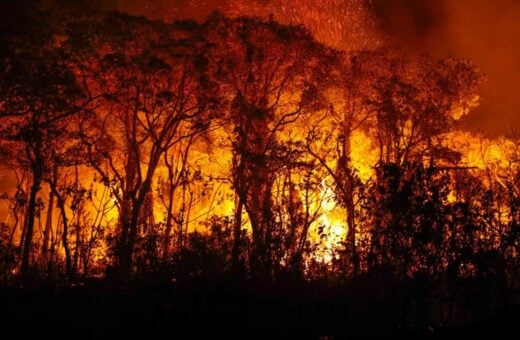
{"x":347,"y":94}
{"x":40,"y":96}
{"x":415,"y":102}
{"x":266,"y":71}
{"x":155,"y":95}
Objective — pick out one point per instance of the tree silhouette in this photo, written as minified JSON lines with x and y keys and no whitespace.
{"x":265,"y":70}
{"x":155,"y":96}
{"x":41,"y":96}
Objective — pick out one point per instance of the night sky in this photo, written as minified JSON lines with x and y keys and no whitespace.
{"x":482,"y":30}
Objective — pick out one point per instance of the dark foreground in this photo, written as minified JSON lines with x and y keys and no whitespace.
{"x":225,"y":310}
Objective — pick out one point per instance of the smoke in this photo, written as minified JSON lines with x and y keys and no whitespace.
{"x":484,"y":31}
{"x":487,"y":32}
{"x":408,"y":22}
{"x":345,"y":24}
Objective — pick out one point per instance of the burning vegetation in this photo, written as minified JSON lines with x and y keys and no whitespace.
{"x":244,"y":148}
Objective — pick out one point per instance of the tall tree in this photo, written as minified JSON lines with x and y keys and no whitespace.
{"x":266,"y":70}
{"x":40,"y":95}
{"x":416,"y":101}
{"x":155,"y":95}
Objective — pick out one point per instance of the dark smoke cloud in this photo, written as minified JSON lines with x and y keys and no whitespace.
{"x":408,"y":22}
{"x":486,"y":31}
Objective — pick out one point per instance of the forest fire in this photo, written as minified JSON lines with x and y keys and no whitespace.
{"x":259,"y":145}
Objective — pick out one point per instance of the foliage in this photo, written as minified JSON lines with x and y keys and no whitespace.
{"x":228,"y":148}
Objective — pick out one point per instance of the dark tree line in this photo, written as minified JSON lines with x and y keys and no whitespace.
{"x":191,"y":149}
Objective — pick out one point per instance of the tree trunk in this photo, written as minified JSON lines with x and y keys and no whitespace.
{"x":168,"y":230}
{"x":169,"y":213}
{"x":259,"y":210}
{"x":132,"y":238}
{"x":31,"y":214}
{"x":77,"y":251}
{"x":348,"y":196}
{"x":129,"y":237}
{"x":123,"y":252}
{"x":237,"y":233}
{"x":253,"y":185}
{"x":351,"y":233}
{"x":48,"y":227}
{"x":64,"y":236}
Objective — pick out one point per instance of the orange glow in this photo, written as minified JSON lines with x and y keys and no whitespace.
{"x":270,"y":121}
